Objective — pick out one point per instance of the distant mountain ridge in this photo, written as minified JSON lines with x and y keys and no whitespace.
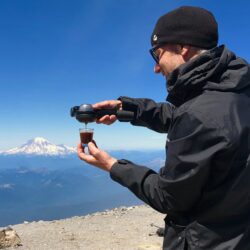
{"x":40,"y":180}
{"x":40,"y":146}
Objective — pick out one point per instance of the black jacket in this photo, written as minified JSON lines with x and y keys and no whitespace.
{"x":204,"y":187}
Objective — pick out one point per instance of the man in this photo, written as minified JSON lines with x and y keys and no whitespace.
{"x":204,"y":187}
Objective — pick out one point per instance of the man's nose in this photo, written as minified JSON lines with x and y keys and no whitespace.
{"x":157,"y":68}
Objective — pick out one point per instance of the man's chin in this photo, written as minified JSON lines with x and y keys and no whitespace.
{"x":165,"y":74}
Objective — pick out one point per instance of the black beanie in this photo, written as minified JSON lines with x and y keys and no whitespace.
{"x":187,"y":26}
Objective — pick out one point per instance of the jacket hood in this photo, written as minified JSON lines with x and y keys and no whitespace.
{"x":217,"y":69}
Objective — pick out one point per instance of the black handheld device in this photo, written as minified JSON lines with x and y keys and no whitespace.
{"x":86,"y":113}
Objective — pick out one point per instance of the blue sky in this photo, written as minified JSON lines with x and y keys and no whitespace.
{"x":59,"y":53}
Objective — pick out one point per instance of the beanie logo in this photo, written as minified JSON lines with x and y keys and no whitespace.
{"x":155,"y":38}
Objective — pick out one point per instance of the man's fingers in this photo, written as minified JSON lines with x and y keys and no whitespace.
{"x":111,"y":104}
{"x":113,"y":118}
{"x":103,"y":119}
{"x":104,"y":104}
{"x":85,"y":157}
{"x":107,"y":104}
{"x":94,"y":143}
{"x":93,"y":150}
{"x":80,"y":149}
{"x":96,"y":156}
{"x":107,"y":119}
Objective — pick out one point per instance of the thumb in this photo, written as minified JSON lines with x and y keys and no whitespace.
{"x":93,"y":149}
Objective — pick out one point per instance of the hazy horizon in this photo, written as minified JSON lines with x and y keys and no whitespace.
{"x":38,"y":187}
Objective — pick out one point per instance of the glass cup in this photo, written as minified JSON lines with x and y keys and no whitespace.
{"x":86,"y":135}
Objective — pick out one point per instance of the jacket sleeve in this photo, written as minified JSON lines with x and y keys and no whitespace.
{"x":179,"y":186}
{"x":155,"y":116}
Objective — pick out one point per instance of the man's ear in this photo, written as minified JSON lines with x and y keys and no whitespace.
{"x":186,"y":52}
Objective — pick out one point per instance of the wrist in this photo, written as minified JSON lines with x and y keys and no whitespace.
{"x":111,"y":163}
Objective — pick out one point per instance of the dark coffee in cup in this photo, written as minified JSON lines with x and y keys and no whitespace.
{"x":86,"y":135}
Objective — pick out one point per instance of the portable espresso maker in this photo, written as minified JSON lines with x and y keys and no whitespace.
{"x":85,"y":113}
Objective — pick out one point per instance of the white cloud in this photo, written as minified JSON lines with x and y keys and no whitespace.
{"x":6,"y":186}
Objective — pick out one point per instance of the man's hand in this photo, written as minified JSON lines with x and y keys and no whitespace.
{"x":96,"y":157}
{"x":111,"y":104}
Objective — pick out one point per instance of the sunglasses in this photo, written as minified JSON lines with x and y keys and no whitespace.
{"x":152,"y":51}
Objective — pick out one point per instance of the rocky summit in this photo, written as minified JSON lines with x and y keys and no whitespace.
{"x":124,"y":228}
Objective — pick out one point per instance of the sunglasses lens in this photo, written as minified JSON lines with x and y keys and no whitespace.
{"x":154,"y":55}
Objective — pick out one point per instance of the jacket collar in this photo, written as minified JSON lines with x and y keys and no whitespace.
{"x":206,"y":71}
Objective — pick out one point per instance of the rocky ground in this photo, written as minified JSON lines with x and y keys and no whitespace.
{"x":124,"y":228}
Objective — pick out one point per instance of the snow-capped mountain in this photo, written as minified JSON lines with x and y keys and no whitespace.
{"x":40,"y":146}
